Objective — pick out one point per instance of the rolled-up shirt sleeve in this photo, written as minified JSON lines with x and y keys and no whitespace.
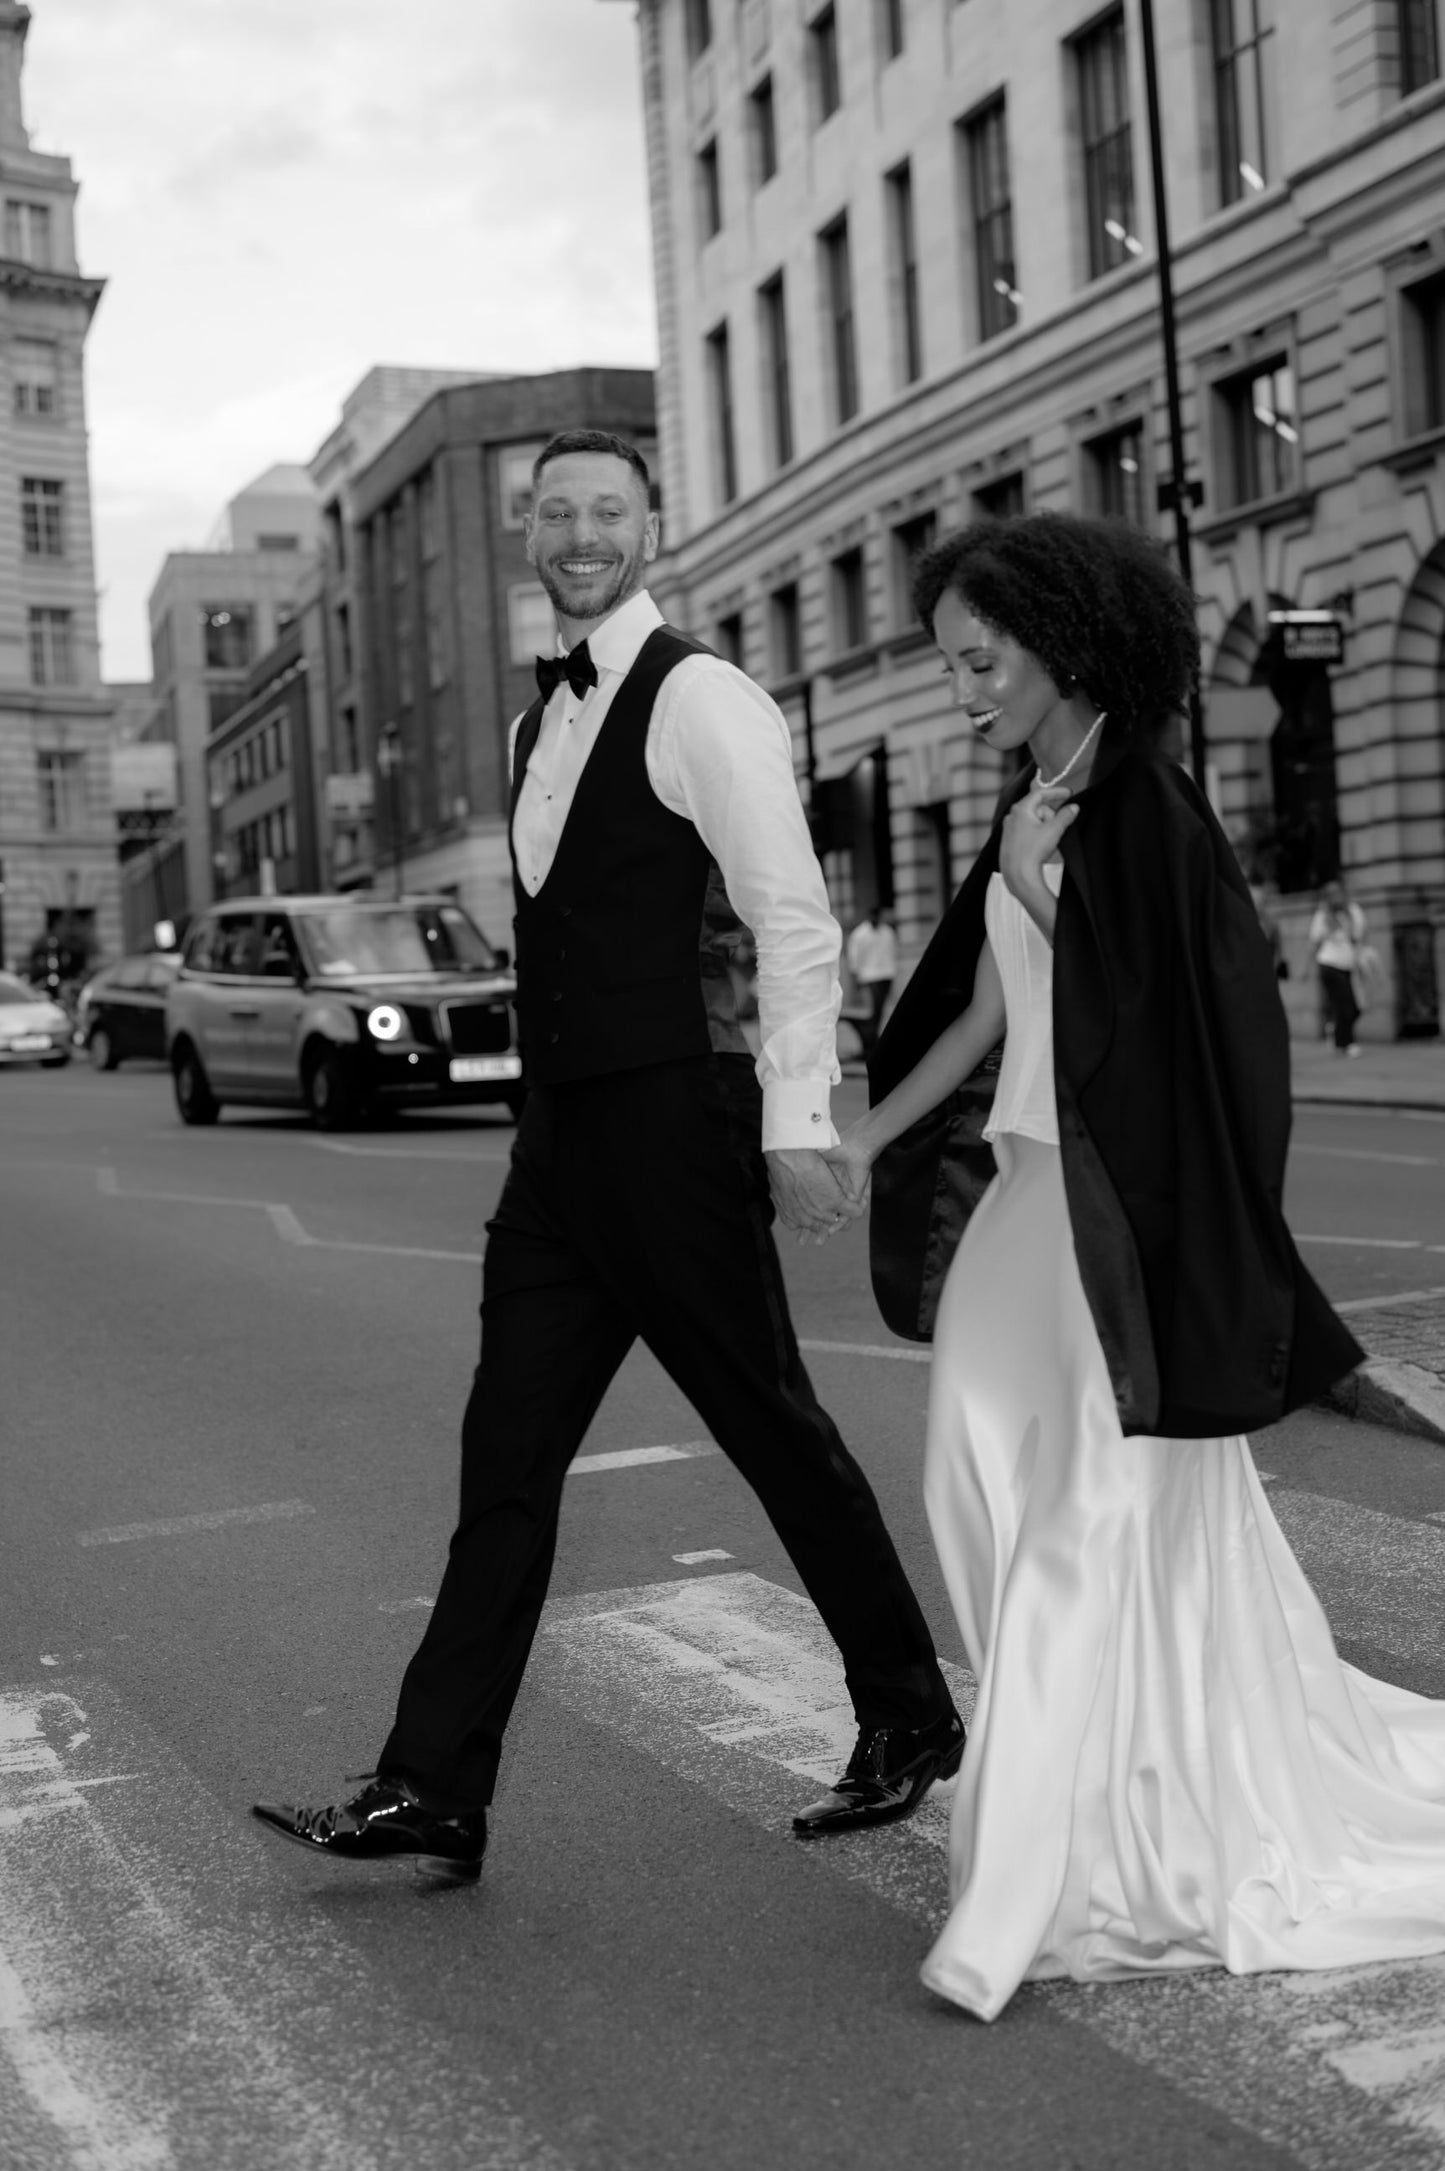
{"x":720,"y":753}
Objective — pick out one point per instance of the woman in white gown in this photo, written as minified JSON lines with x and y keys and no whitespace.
{"x":1169,"y":1766}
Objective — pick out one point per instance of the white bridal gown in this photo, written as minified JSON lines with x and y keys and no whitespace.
{"x":1169,"y":1765}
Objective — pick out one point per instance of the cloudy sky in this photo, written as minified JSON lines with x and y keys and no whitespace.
{"x":281,"y":193}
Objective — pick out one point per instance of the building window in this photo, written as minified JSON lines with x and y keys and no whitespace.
{"x":903,"y":274}
{"x":1243,"y":56}
{"x":720,"y":402}
{"x":763,"y":132}
{"x":838,"y":306}
{"x":697,"y":19}
{"x":909,"y":540}
{"x":728,"y":638}
{"x":1103,"y":76}
{"x":709,"y":192}
{"x":34,"y":377}
{"x":785,"y":632}
{"x":1261,"y":433}
{"x":991,"y":207}
{"x":1001,"y":499}
{"x":850,"y":601}
{"x":514,"y":483}
{"x":42,"y":517}
{"x":889,"y":18}
{"x":1422,"y":324}
{"x":60,"y":778}
{"x":777,"y":384}
{"x":1419,"y":43}
{"x":823,"y":65}
{"x":531,"y":623}
{"x":226,"y":630}
{"x":221,"y":705}
{"x":27,"y":233}
{"x":52,"y":651}
{"x":1114,"y":475}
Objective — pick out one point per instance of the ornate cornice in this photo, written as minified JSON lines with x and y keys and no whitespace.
{"x":62,"y":286}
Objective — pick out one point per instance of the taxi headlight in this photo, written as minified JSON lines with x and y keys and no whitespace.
{"x":385,"y":1022}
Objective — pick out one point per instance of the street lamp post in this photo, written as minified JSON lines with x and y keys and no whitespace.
{"x":389,"y":760}
{"x":1179,"y":493}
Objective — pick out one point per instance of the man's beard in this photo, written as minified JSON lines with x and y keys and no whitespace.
{"x":626,"y":576}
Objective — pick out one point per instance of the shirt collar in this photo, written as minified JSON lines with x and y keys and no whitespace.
{"x":617,"y":642}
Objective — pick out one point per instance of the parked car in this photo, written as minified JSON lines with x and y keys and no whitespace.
{"x":121,"y":1010}
{"x":33,"y":1029}
{"x":342,"y":1005}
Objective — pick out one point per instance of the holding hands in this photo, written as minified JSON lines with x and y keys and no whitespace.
{"x":810,"y":1193}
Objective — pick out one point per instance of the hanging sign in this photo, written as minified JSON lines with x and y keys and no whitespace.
{"x":1310,"y":636}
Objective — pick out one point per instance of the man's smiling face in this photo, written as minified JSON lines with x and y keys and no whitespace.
{"x":590,"y":535}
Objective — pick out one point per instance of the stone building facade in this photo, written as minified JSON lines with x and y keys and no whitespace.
{"x":213,"y":615}
{"x":58,"y":860}
{"x":450,"y":617}
{"x":906,"y":277}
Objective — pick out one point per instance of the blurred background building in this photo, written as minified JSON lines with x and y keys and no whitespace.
{"x":59,"y":872}
{"x":906,"y":276}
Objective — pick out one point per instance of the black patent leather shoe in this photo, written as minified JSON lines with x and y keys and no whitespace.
{"x":889,"y":1772}
{"x":385,"y":1819}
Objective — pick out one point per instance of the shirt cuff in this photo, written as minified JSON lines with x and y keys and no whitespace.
{"x":795,"y":1113}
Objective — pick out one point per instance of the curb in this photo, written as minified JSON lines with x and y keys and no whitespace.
{"x":1404,"y":1397}
{"x":1386,"y":1103}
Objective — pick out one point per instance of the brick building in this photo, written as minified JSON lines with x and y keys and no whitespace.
{"x":449,"y":616}
{"x":905,"y":273}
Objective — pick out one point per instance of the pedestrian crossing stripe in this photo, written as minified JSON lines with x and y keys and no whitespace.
{"x":732,"y":1682}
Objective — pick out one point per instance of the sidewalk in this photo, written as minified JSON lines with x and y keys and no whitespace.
{"x":1385,"y":1074}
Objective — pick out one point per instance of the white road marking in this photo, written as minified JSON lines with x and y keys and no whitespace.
{"x":711,"y":1552}
{"x":163,"y":2007}
{"x":1396,"y":1296}
{"x":1372,"y":1243}
{"x":1356,"y":1153}
{"x":626,"y":1458}
{"x":178,"y":1526}
{"x":868,"y":1349}
{"x":410,"y":1153}
{"x":407,"y":1605}
{"x":732,"y":1683}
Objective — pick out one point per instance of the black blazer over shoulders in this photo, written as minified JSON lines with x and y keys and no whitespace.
{"x":1171,"y":1072}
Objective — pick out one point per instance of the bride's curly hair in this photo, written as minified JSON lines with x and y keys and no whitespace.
{"x":1096,"y":601}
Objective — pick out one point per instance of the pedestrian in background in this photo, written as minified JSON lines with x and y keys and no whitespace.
{"x":654,"y":816}
{"x":873,"y":962}
{"x":1337,"y":939}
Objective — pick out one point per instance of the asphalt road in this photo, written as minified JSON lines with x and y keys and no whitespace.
{"x":231,"y":1368}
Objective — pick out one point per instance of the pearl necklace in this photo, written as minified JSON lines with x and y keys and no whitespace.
{"x":1041,"y":783}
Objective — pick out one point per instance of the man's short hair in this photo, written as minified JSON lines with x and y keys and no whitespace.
{"x":593,"y":441}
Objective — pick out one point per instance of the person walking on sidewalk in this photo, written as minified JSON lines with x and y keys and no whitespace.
{"x":872,"y":958}
{"x":1337,"y":938}
{"x":654,"y":814}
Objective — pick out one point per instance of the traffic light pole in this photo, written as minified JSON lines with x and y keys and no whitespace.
{"x":1179,"y":493}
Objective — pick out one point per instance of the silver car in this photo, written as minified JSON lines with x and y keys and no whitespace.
{"x":33,"y":1029}
{"x":342,"y":1005}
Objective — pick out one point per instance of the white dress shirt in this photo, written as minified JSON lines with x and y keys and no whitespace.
{"x":719,"y":753}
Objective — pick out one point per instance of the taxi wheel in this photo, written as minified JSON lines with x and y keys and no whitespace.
{"x":194,"y":1098}
{"x":330,"y":1094}
{"x":101,"y":1050}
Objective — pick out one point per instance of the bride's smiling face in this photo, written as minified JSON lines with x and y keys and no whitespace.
{"x":1005,"y":690}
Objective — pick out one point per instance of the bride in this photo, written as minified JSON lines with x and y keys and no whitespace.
{"x":1169,"y":1766}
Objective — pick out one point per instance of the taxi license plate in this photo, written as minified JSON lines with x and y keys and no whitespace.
{"x":470,"y":1069}
{"x":30,"y":1043}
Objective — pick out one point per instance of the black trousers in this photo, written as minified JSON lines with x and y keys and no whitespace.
{"x":638,"y":1204}
{"x":1339,"y":989}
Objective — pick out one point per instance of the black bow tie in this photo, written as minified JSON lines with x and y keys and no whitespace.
{"x":577,"y":668}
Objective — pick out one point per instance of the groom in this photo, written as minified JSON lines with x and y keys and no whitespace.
{"x":654,"y":818}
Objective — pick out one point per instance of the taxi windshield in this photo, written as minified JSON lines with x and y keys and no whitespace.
{"x":349,"y":941}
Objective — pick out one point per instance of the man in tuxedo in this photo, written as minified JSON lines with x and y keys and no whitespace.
{"x":654,"y":816}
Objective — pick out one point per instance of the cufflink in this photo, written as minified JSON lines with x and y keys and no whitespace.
{"x":815,"y":1117}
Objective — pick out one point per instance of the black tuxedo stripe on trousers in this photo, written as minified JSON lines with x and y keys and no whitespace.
{"x":637,"y":1204}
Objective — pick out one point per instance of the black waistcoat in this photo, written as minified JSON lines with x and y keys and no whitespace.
{"x":622,"y":954}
